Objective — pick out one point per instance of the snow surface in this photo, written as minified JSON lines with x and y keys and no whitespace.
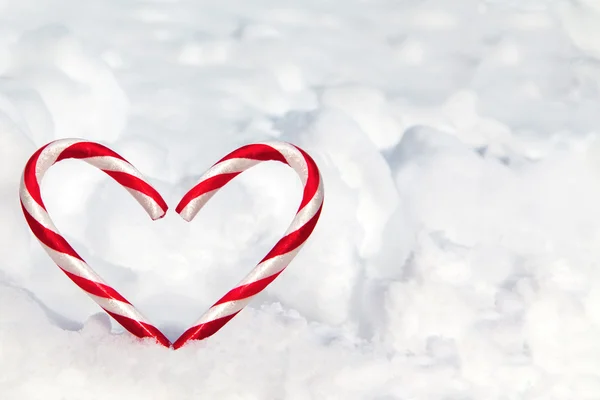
{"x":457,"y":254}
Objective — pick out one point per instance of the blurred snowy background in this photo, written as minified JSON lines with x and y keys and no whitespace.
{"x":457,"y":254}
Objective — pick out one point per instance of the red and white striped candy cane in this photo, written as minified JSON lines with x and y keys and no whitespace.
{"x":286,"y":248}
{"x":215,"y":178}
{"x":55,"y":244}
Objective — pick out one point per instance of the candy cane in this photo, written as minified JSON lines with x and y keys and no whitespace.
{"x":55,"y":244}
{"x":286,"y":248}
{"x":215,"y":178}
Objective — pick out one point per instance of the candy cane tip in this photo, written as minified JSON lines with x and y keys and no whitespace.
{"x":156,"y":217}
{"x":186,"y":219}
{"x":187,"y":214}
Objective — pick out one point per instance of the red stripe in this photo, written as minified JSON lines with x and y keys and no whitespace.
{"x":141,"y":329}
{"x":138,"y":184}
{"x":86,"y":150}
{"x":295,"y":239}
{"x":312,"y":182}
{"x":95,"y":288}
{"x":202,"y":331}
{"x":48,"y":237}
{"x":30,"y":179}
{"x":249,"y":290}
{"x":261,"y":152}
{"x":213,"y":183}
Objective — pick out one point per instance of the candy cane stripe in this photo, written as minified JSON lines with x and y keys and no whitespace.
{"x":140,"y":329}
{"x":290,"y":153}
{"x":106,"y":163}
{"x":308,"y":211}
{"x":189,"y":212}
{"x":295,"y":239}
{"x":49,"y":155}
{"x":49,"y":238}
{"x":94,"y":288}
{"x":230,"y":166}
{"x":66,"y":258}
{"x":36,"y":211}
{"x":30,"y":179}
{"x":211,"y":184}
{"x":251,"y":289}
{"x":152,"y":202}
{"x":84,"y":150}
{"x":269,"y":267}
{"x":203,"y":330}
{"x":259,"y":152}
{"x":226,"y":308}
{"x":115,"y":306}
{"x":73,"y":265}
{"x":154,"y":209}
{"x":273,"y":264}
{"x":312,"y":184}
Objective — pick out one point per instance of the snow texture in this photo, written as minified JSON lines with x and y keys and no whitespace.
{"x":457,"y":253}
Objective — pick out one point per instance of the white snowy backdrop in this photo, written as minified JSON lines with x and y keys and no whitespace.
{"x":457,"y":254}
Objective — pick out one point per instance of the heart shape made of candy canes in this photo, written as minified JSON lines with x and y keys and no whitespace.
{"x":117,"y":306}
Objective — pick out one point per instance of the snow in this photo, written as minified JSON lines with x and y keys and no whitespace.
{"x":456,"y":255}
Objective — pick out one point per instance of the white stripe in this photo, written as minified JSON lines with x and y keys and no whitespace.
{"x":119,"y":308}
{"x":49,"y":155}
{"x":154,"y":210}
{"x":73,"y":265}
{"x":293,"y":157}
{"x":230,"y":166}
{"x":193,"y":207}
{"x":110,"y":163}
{"x":223,"y":310}
{"x":270,"y":267}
